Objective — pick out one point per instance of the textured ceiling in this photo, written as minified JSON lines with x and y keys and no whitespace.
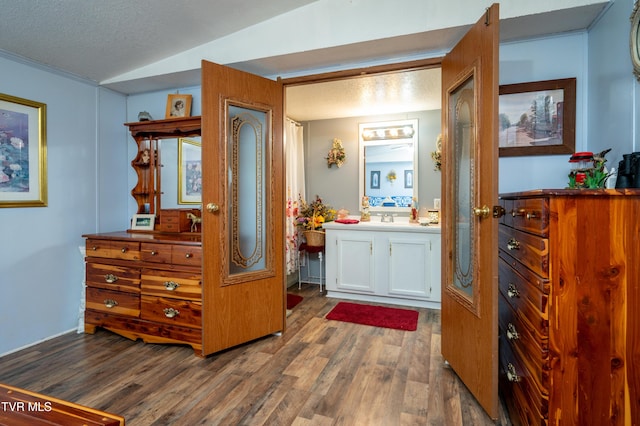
{"x":100,"y":39}
{"x":371,"y":95}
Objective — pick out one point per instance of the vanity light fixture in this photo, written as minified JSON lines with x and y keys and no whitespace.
{"x":385,"y":133}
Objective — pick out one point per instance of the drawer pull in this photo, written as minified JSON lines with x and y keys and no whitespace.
{"x":171,"y":285}
{"x":512,"y":333}
{"x":94,"y":248}
{"x":170,"y":312}
{"x":110,"y":303}
{"x":110,"y":278}
{"x":512,"y":291}
{"x":188,"y":255}
{"x":512,"y":376}
{"x":123,"y":249}
{"x":522,"y":212}
{"x":153,"y":252}
{"x":513,"y":244}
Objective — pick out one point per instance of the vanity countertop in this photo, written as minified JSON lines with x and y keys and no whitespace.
{"x":400,"y":224}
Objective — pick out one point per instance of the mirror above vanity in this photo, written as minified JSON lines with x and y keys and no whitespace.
{"x":388,"y":164}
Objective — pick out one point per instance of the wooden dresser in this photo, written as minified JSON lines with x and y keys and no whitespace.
{"x":146,"y":286}
{"x":569,"y":307}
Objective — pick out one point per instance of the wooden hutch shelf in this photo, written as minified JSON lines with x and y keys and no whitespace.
{"x":147,"y":162}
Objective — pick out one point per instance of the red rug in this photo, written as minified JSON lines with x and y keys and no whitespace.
{"x":377,"y":316}
{"x":293,"y":300}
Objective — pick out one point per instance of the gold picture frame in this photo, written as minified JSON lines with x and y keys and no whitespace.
{"x":178,"y":105}
{"x":23,"y":150}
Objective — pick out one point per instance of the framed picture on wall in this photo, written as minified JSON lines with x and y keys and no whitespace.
{"x":375,"y":179}
{"x":408,"y":178}
{"x":23,"y":152}
{"x":189,"y":171}
{"x":178,"y":105}
{"x":537,"y":118}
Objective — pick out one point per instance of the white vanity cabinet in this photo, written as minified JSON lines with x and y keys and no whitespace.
{"x":384,"y":262}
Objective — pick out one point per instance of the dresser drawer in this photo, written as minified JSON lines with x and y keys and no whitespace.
{"x":516,"y":384}
{"x":179,"y":285}
{"x":525,"y":299}
{"x":532,"y":353}
{"x":113,"y":277}
{"x":114,"y":302}
{"x":124,"y":250}
{"x":160,"y":253}
{"x":186,"y":255}
{"x":528,"y":214}
{"x":171,"y":311}
{"x":530,"y":250}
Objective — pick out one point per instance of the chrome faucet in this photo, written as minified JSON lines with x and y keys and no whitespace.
{"x":386,"y":218}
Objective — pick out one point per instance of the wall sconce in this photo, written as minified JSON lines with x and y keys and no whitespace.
{"x":384,"y":133}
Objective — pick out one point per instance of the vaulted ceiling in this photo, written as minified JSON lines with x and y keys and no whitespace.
{"x":149,"y":45}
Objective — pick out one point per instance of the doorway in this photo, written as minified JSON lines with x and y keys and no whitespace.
{"x":331,"y":106}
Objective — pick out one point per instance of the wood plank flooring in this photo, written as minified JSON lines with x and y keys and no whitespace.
{"x":319,"y":372}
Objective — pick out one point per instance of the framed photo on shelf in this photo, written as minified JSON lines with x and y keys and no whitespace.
{"x":143,"y":222}
{"x":189,"y":171}
{"x":537,"y":118}
{"x":23,"y":151}
{"x":178,"y":105}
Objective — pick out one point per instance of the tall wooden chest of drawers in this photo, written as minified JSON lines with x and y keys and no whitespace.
{"x":145,"y":286}
{"x":569,"y":307}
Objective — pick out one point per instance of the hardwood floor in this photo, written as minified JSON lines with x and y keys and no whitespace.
{"x":319,"y":372}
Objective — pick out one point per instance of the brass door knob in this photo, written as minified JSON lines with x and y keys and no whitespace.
{"x":212,"y":207}
{"x":482,"y":212}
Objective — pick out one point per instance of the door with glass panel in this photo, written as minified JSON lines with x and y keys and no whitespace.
{"x":469,"y":191}
{"x":243,"y":225}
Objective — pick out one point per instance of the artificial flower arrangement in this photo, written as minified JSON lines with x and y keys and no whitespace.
{"x":312,"y":215}
{"x":336,"y":154}
{"x":391,"y":176}
{"x":592,"y":173}
{"x":436,"y":155}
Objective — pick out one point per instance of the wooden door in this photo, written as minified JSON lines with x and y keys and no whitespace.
{"x":469,"y":191}
{"x":243,"y":207}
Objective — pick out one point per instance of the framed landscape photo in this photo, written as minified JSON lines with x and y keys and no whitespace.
{"x":189,"y":171}
{"x":178,"y":105}
{"x":537,"y":118}
{"x":23,"y":152}
{"x":143,"y":222}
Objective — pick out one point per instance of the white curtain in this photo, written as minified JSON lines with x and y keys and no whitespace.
{"x":294,"y":161}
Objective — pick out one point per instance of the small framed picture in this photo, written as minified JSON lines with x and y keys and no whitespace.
{"x":408,"y":178}
{"x":375,"y":179}
{"x":144,"y":222}
{"x":178,"y":105}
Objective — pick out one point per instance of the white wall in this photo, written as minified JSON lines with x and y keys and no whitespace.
{"x":614,"y":93}
{"x":41,"y":269}
{"x":549,"y":58}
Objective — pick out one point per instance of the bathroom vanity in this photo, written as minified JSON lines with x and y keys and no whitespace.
{"x":388,"y":262}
